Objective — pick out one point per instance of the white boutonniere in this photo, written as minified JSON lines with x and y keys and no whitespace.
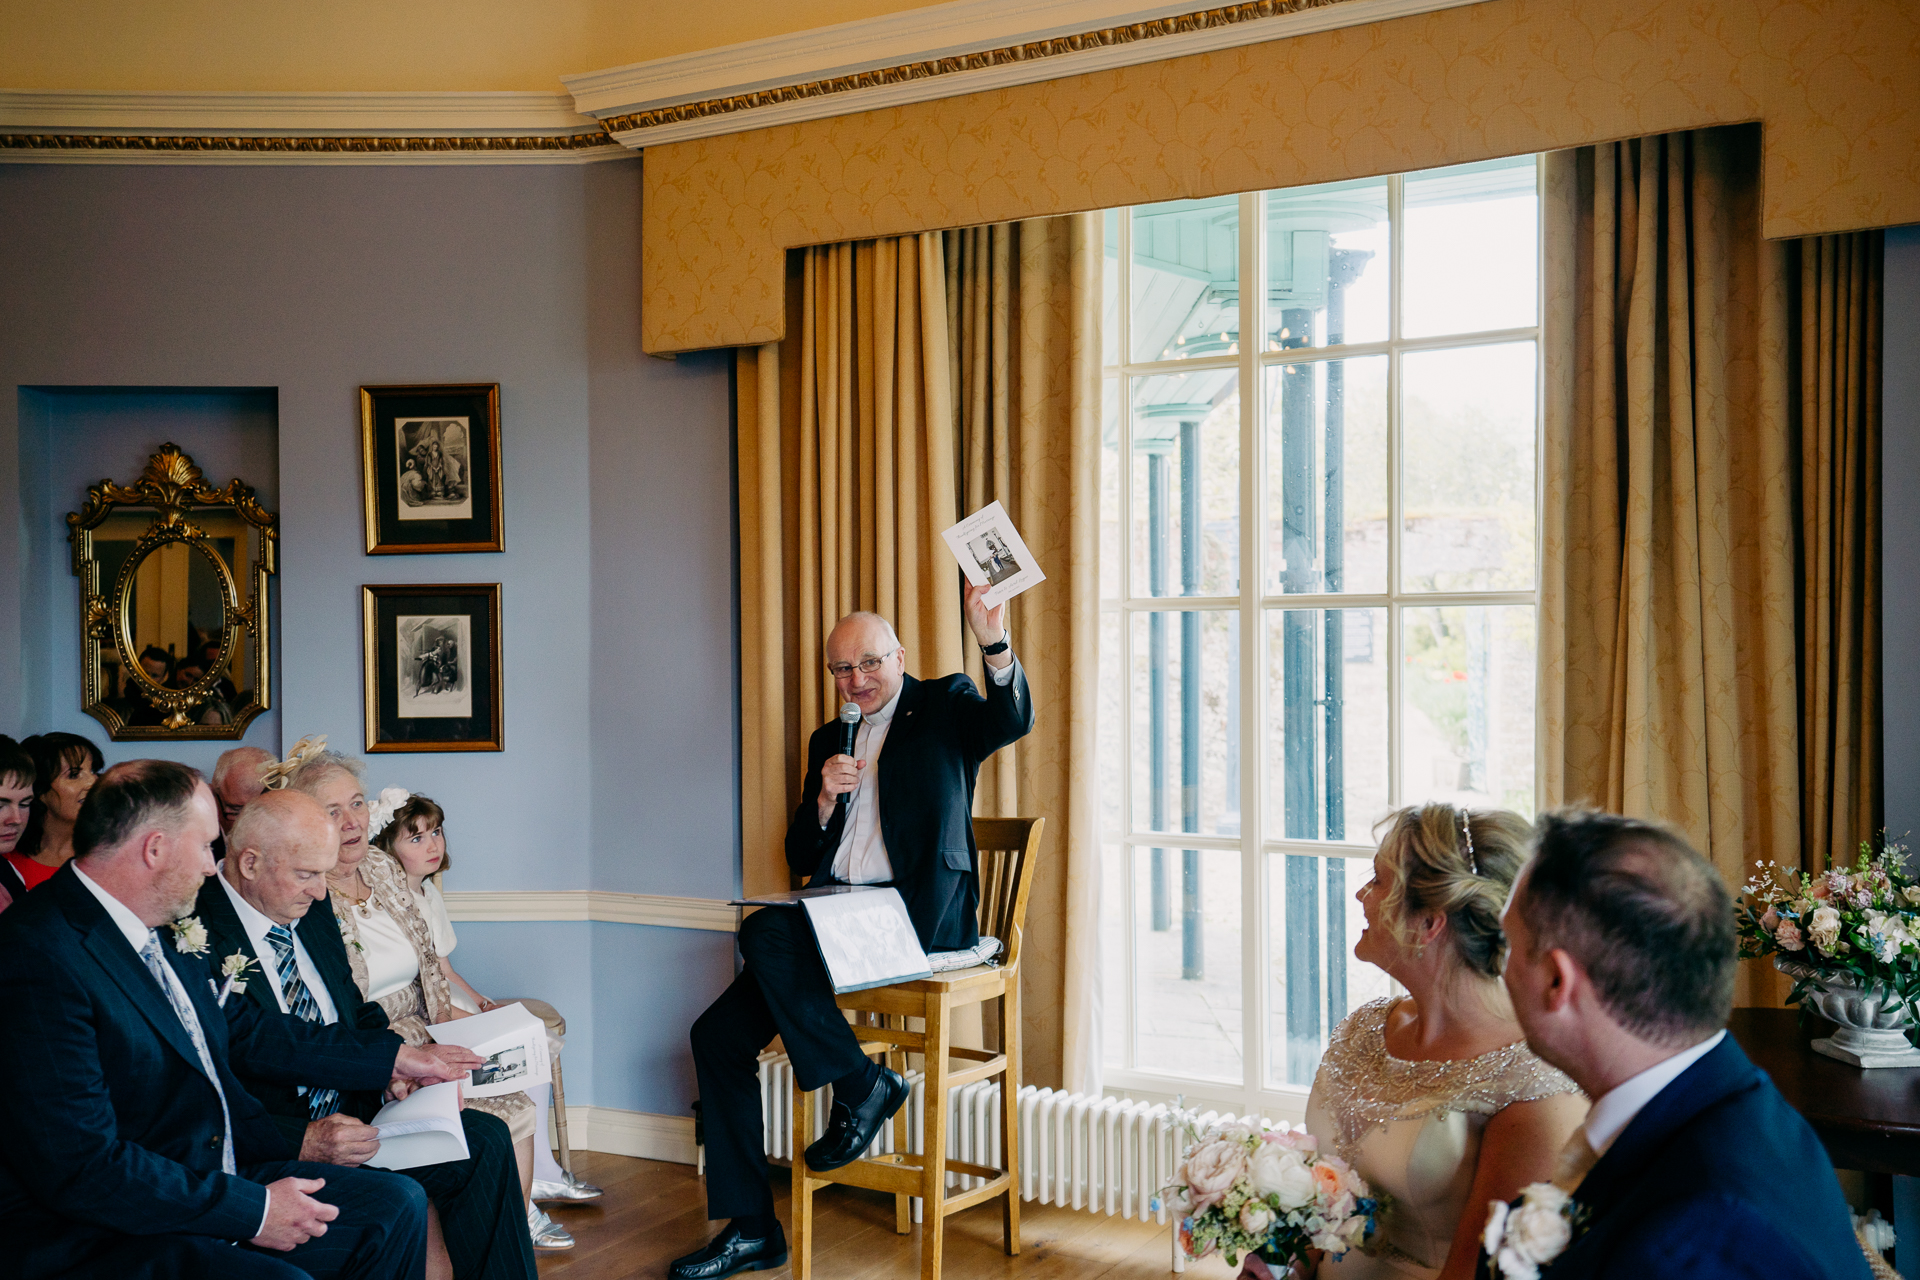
{"x":1526,"y":1235}
{"x":189,"y":936}
{"x":235,"y":967}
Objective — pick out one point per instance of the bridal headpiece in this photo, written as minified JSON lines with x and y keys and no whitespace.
{"x":1466,"y":833}
{"x":380,"y":812}
{"x":276,"y":773}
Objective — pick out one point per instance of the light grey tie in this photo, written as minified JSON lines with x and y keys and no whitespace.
{"x":1576,"y":1159}
{"x":183,"y":1009}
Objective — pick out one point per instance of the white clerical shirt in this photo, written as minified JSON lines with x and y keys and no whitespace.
{"x":256,"y":926}
{"x":1618,"y":1106}
{"x":862,"y":856}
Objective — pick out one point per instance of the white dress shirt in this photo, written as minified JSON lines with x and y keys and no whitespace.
{"x":136,"y":931}
{"x":256,"y":926}
{"x":862,"y":856}
{"x":1617,"y":1107}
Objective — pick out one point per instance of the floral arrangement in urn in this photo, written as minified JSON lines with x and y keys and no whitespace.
{"x":1267,"y":1193}
{"x":1850,"y":940}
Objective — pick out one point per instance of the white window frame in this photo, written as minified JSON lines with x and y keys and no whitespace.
{"x":1253,"y":1096}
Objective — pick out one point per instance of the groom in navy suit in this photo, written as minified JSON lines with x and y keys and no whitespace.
{"x":1621,"y":968}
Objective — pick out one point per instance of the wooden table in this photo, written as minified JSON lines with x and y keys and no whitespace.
{"x":1868,"y":1119}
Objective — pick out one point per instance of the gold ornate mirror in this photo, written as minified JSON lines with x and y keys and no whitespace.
{"x":174,"y":632}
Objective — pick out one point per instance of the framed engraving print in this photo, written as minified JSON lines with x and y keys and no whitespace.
{"x":431,"y":461}
{"x":432,"y":658}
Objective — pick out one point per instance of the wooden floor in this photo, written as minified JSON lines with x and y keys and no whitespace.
{"x":653,"y":1213}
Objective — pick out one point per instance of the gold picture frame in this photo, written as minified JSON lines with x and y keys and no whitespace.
{"x":430,"y":468}
{"x":431,"y":657}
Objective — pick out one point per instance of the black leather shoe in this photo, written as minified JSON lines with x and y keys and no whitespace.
{"x":850,"y":1130}
{"x":729,"y":1254}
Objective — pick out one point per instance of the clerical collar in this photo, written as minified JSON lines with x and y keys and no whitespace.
{"x":884,"y":716}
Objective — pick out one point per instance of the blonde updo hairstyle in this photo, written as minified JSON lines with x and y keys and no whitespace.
{"x":1458,"y":863}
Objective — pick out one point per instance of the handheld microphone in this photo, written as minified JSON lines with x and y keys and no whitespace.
{"x":849,"y":727}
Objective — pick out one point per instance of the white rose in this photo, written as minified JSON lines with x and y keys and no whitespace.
{"x":1537,"y":1232}
{"x":1912,"y":894}
{"x":1824,"y":928}
{"x":1256,"y":1219}
{"x":1514,"y":1266}
{"x":1295,"y":1186}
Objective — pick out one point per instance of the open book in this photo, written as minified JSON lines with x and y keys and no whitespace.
{"x":511,"y":1039}
{"x":421,"y":1128}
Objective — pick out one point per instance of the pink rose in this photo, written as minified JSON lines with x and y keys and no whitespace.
{"x":1211,"y":1171}
{"x":1771,"y":920}
{"x":1326,"y":1180}
{"x":1788,"y":936}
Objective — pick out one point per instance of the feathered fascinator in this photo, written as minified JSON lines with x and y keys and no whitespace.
{"x":275,"y":773}
{"x":380,"y":812}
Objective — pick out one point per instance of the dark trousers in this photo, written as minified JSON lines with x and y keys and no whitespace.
{"x":381,"y":1234}
{"x":482,"y":1215}
{"x":784,"y":991}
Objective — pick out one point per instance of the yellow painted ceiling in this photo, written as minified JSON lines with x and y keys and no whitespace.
{"x":375,"y":45}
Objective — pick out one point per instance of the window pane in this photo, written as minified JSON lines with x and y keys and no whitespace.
{"x":1326,"y":723}
{"x":1186,"y":731}
{"x":1186,"y":484}
{"x":1110,"y":291}
{"x":1113,"y":954}
{"x":1327,"y":268}
{"x":1467,"y":709}
{"x":1186,"y":937}
{"x":1472,"y":244}
{"x":1110,"y":488}
{"x":1327,"y":471}
{"x":1313,"y":920}
{"x":1185,"y":286}
{"x":1469,"y":469}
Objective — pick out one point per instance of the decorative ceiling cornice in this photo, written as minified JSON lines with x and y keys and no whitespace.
{"x":298,"y":128}
{"x":864,"y":66}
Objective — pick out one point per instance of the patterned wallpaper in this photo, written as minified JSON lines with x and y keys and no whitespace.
{"x":1833,"y":81}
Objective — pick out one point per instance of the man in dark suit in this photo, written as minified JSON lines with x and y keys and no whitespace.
{"x":131,"y":1147}
{"x":903,"y":819}
{"x":1690,"y":1163}
{"x":256,"y":907}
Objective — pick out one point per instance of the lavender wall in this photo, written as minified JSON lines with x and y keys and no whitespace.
{"x":305,"y":283}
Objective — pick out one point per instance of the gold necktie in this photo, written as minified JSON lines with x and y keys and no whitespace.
{"x":1576,"y":1158}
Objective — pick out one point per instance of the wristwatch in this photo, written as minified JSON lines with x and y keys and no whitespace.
{"x":999,"y":646}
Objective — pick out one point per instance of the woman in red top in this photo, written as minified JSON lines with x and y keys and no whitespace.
{"x":16,"y":804}
{"x":64,"y":765}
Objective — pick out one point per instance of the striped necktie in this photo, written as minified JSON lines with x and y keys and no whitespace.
{"x":300,"y":1003}
{"x":183,"y":1010}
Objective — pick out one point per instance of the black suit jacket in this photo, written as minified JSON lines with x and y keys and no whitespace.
{"x":1717,"y":1177}
{"x":941,"y":731}
{"x":319,"y":933}
{"x":111,"y":1126}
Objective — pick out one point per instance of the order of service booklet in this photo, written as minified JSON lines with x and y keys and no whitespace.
{"x":421,"y":1128}
{"x":511,"y":1039}
{"x":993,"y":555}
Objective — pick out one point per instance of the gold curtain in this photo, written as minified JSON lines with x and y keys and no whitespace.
{"x":924,"y":376}
{"x":1697,"y":471}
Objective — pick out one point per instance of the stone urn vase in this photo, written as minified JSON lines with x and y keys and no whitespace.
{"x":1872,"y":1021}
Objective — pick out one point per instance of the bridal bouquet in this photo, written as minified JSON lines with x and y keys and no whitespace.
{"x":1269,"y":1193}
{"x":1864,"y":921}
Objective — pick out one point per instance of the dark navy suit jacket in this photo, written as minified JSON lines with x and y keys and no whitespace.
{"x":110,"y":1125}
{"x":940,"y":732}
{"x":1716,"y":1177}
{"x":319,"y":933}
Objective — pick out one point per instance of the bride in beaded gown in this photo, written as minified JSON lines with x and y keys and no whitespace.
{"x":1434,"y":1096}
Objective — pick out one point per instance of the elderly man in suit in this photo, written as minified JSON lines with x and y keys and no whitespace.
{"x":1690,"y":1162}
{"x":257,"y":907}
{"x":131,"y":1147}
{"x":897,"y":811}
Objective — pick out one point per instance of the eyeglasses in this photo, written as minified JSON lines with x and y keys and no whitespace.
{"x":867,"y":666}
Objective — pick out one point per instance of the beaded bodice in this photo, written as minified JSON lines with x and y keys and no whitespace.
{"x":1363,"y":1085}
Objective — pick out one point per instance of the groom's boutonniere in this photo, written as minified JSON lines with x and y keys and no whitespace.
{"x":189,"y":936}
{"x":1526,"y":1235}
{"x":235,"y":967}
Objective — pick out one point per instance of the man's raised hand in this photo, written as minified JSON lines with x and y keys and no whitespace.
{"x":339,"y":1139}
{"x":988,"y":625}
{"x":435,"y":1063}
{"x":293,"y":1215}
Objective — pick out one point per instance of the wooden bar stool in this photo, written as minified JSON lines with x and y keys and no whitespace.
{"x":1008,"y":854}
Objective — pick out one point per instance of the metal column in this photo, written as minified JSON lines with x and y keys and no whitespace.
{"x":1193,"y":944}
{"x":1157,"y":464}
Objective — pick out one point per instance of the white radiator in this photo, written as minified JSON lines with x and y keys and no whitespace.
{"x":1104,"y":1155}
